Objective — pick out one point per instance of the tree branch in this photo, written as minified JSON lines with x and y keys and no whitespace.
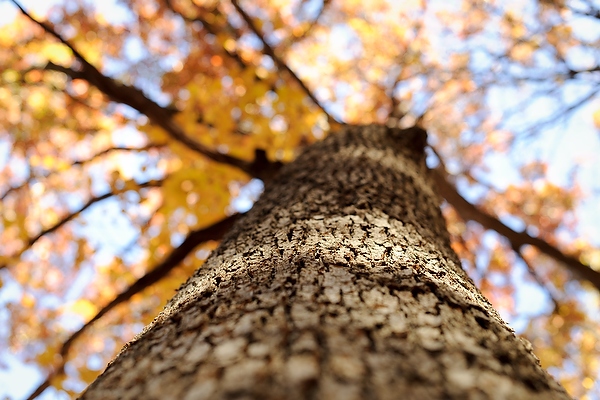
{"x":517,"y":239}
{"x":11,"y":189}
{"x":572,"y":72}
{"x":590,"y":12}
{"x":288,"y":42}
{"x":562,"y":113}
{"x":136,"y":99}
{"x":194,"y":238}
{"x":87,"y":205}
{"x":30,"y":178}
{"x":210,"y":28}
{"x":268,"y":50}
{"x":118,"y":148}
{"x":69,"y":217}
{"x":52,"y":32}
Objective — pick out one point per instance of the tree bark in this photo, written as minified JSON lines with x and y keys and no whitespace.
{"x":339,"y":284}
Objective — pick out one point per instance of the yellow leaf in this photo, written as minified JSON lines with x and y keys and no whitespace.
{"x":10,"y":75}
{"x":87,"y":375}
{"x":360,"y":26}
{"x":28,"y":301}
{"x":57,"y":53}
{"x":58,"y":380}
{"x":37,"y":100}
{"x":46,"y":358}
{"x":523,"y":51}
{"x":85,"y":308}
{"x":48,"y":162}
{"x":596,"y":117}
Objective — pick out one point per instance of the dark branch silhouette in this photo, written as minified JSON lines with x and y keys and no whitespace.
{"x":214,"y":30}
{"x":32,"y":177}
{"x":517,"y":239}
{"x":136,"y":99}
{"x":563,"y":113}
{"x":69,"y":217}
{"x":210,"y":28}
{"x":288,"y":42}
{"x":591,"y":11}
{"x":194,"y":238}
{"x":268,"y":50}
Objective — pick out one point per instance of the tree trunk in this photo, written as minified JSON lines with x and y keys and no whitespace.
{"x":340,"y":283}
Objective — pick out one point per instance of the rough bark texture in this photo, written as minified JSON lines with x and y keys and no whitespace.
{"x":339,"y":284}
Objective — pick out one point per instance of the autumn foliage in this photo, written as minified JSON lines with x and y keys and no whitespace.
{"x":133,"y":132}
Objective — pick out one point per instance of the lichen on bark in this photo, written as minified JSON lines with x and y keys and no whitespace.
{"x":340,"y":283}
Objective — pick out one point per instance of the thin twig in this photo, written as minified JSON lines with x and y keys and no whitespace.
{"x":290,"y":41}
{"x":75,"y":163}
{"x":69,"y":217}
{"x":562,"y":113}
{"x":270,"y":51}
{"x":210,"y":28}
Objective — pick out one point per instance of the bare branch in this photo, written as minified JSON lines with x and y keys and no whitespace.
{"x":288,"y":42}
{"x":573,"y":73}
{"x":213,"y":232}
{"x":590,"y":12}
{"x":12,"y":189}
{"x":517,"y":239}
{"x":91,"y":202}
{"x":278,"y":61}
{"x":563,"y":113}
